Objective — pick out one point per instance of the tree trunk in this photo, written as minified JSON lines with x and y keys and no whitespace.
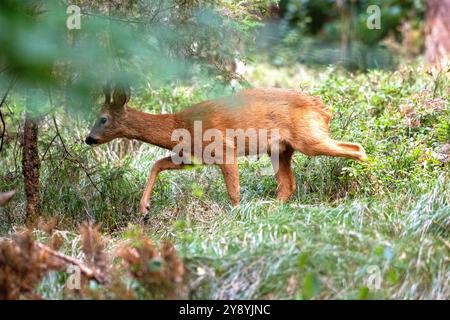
{"x":30,"y":168}
{"x":437,"y":31}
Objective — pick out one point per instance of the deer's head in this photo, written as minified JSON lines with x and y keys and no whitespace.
{"x":110,"y":122}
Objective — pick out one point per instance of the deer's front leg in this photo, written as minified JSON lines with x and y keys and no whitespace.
{"x":160,"y":165}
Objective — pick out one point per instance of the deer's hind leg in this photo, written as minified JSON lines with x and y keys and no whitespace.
{"x":284,"y":175}
{"x":312,"y":138}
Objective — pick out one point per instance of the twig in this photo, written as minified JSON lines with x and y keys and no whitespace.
{"x":16,"y":148}
{"x":75,"y":159}
{"x":113,"y":18}
{"x":88,"y":272}
{"x":48,"y":147}
{"x":2,"y":137}
{"x":150,"y":21}
{"x":3,"y":129}
{"x":156,"y":13}
{"x":66,"y":150}
{"x":54,"y":170}
{"x":91,"y":273}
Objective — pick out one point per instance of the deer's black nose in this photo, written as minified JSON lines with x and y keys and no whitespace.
{"x":89,"y":140}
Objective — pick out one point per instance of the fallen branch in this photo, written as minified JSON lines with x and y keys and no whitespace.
{"x":88,"y":272}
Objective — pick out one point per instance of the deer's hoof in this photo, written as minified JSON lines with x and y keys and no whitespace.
{"x":144,"y":208}
{"x":144,"y":219}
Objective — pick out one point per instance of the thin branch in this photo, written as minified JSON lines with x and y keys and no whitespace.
{"x":88,"y":272}
{"x":16,"y":148}
{"x":66,"y":150}
{"x":113,"y":18}
{"x":91,"y":273}
{"x":150,"y":21}
{"x":75,"y":159}
{"x":2,"y":136}
{"x":157,"y":12}
{"x":48,"y":148}
{"x":54,"y":171}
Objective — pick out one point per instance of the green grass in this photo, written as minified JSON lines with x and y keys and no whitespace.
{"x":255,"y":251}
{"x":352,"y":230}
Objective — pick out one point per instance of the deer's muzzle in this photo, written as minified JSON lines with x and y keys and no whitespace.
{"x":90,"y":141}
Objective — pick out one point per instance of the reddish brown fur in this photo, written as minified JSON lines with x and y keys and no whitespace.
{"x":303,"y":122}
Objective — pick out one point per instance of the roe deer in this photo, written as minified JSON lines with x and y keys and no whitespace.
{"x":302,"y":122}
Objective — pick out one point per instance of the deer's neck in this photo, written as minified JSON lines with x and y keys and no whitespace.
{"x":151,"y":128}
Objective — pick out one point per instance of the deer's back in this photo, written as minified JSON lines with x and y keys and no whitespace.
{"x":258,"y":109}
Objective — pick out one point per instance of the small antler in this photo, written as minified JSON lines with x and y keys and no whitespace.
{"x":121,"y":94}
{"x":107,"y":92}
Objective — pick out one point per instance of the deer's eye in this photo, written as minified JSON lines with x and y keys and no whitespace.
{"x":103,"y":120}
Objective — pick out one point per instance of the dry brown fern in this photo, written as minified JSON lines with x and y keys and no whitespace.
{"x":24,"y":262}
{"x":23,"y":265}
{"x":160,"y":271}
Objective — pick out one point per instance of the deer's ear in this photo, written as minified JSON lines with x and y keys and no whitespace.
{"x":121,"y":96}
